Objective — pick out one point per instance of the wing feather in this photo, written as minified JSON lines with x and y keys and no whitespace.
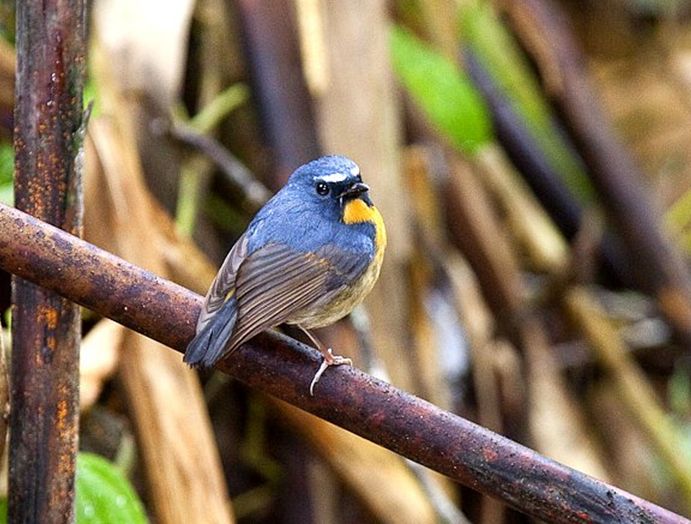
{"x":260,"y":319}
{"x":288,"y":296}
{"x":224,"y":282}
{"x":277,"y":281}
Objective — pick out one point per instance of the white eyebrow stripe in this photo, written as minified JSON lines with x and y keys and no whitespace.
{"x":333,"y":178}
{"x":355,"y":170}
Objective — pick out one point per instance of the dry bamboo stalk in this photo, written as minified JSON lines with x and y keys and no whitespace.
{"x":310,"y":20}
{"x":98,"y":360}
{"x":147,"y":53}
{"x":479,"y":326}
{"x":629,"y":450}
{"x":532,"y":227}
{"x":557,"y":424}
{"x":441,"y":27}
{"x":426,"y":251}
{"x":177,"y":444}
{"x":428,"y":378}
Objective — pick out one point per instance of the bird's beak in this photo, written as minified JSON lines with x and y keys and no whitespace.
{"x":354,"y":190}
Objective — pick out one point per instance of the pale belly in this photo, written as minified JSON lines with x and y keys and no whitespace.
{"x":324,"y":314}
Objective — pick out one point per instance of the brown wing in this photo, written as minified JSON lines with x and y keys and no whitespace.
{"x":276,"y":281}
{"x":224,"y":283}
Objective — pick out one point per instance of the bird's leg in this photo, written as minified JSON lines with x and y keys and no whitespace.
{"x":329,"y":358}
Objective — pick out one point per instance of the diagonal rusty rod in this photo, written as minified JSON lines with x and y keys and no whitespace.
{"x":347,"y":397}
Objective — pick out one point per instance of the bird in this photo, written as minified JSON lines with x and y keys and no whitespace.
{"x":309,"y":256}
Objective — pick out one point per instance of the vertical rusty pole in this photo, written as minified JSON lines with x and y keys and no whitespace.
{"x":46,"y":330}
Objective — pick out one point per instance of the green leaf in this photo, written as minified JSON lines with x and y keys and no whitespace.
{"x":678,"y":220}
{"x":6,"y":174}
{"x":219,"y":108}
{"x":501,"y":57}
{"x":444,"y":93}
{"x":90,"y":95}
{"x":104,"y":495}
{"x":6,"y":163}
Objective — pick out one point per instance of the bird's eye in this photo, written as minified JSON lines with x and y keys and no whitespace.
{"x":322,"y":188}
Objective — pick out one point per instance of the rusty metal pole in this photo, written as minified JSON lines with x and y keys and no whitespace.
{"x":44,"y":394}
{"x":347,"y":397}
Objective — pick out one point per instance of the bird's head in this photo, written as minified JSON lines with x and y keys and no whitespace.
{"x":335,"y":184}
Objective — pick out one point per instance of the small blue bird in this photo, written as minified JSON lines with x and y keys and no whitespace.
{"x":308,"y":257}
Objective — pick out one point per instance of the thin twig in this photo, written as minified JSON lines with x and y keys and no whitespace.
{"x":446,"y":510}
{"x":216,"y":110}
{"x":254,"y":191}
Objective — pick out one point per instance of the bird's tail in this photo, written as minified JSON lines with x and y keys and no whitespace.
{"x":211,"y":343}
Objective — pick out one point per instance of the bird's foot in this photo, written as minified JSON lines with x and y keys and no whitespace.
{"x":329,"y":360}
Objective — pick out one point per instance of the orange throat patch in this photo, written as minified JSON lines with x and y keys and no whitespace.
{"x":357,"y":211}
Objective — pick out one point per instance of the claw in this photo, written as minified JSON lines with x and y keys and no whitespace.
{"x":329,"y":360}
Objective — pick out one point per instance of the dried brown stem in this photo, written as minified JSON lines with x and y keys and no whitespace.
{"x":378,"y":476}
{"x":632,"y":386}
{"x":45,"y":387}
{"x":279,"y":366}
{"x":619,"y":181}
{"x":175,"y":439}
{"x":279,"y":86}
{"x":7,"y":68}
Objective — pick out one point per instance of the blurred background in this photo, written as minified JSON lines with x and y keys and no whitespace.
{"x":531,"y":160}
